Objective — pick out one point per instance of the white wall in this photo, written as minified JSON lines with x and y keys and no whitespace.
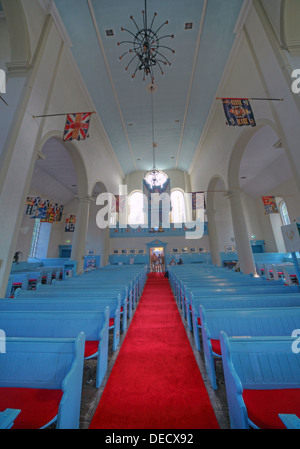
{"x":254,"y":61}
{"x":173,"y":242}
{"x":49,"y":85}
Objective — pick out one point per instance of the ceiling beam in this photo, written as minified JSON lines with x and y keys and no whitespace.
{"x":192,"y":79}
{"x":93,"y":16}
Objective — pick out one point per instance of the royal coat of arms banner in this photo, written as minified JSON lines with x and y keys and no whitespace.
{"x":270,"y":205}
{"x":238,"y":112}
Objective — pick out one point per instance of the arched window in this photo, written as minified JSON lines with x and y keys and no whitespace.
{"x":136,"y":209}
{"x":284,"y":213}
{"x":178,"y":214}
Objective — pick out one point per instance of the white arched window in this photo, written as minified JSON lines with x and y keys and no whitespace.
{"x":284,"y":213}
{"x":178,"y":214}
{"x":136,"y":209}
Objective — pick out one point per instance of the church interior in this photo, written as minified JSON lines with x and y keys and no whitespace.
{"x":149,"y":189}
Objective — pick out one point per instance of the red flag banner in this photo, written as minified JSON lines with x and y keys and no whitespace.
{"x":270,"y":205}
{"x":77,"y":126}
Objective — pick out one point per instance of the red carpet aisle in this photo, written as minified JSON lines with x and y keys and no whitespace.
{"x":155,"y":382}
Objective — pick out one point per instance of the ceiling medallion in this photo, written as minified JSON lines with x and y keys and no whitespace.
{"x":146,"y":47}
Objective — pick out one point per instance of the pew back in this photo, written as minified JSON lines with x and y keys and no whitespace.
{"x":47,"y":363}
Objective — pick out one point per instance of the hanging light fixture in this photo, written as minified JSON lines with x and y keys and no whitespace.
{"x":146,"y":47}
{"x":154,"y":177}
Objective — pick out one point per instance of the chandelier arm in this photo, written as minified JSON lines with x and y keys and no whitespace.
{"x":136,"y":69}
{"x":161,"y":70}
{"x":131,"y":17}
{"x":134,"y":35}
{"x":154,"y":15}
{"x":121,"y":57}
{"x":163,"y":62}
{"x":125,"y":42}
{"x":163,"y":57}
{"x":126,"y":68}
{"x":165,"y":23}
{"x":168,"y":48}
{"x":167,"y":35}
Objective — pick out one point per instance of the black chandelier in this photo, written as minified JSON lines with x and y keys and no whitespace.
{"x":146,"y":47}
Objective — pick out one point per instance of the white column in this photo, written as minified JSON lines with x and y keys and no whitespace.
{"x":80,"y":233}
{"x":241,"y":234}
{"x":213,"y":237}
{"x":18,"y":153}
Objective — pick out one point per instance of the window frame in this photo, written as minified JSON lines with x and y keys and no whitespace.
{"x":181,"y":213}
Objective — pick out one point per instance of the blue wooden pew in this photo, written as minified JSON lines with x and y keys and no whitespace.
{"x":90,"y":289}
{"x":65,"y":324}
{"x":237,"y":302}
{"x":128,"y":276}
{"x":65,"y":303}
{"x":242,"y":282}
{"x":290,"y":421}
{"x":235,"y":291}
{"x":7,"y":418}
{"x":242,"y":322}
{"x":17,"y":281}
{"x":262,"y":379}
{"x":42,"y":377}
{"x":117,"y":305}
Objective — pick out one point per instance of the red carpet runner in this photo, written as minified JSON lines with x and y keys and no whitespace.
{"x":155,"y":382}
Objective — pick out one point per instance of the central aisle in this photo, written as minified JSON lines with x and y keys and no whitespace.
{"x":155,"y":382}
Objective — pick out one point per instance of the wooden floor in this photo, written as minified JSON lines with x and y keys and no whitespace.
{"x":91,"y":395}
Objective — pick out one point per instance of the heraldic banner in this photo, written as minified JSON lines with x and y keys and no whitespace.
{"x":270,"y":205}
{"x":238,"y":112}
{"x":43,"y":209}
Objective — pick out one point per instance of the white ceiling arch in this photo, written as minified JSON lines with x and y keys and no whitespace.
{"x":184,"y":94}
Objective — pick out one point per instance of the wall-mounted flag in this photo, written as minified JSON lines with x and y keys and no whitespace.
{"x":70,"y":223}
{"x":59,"y":213}
{"x":198,"y":200}
{"x":238,"y":112}
{"x":119,"y":204}
{"x":77,"y":126}
{"x":270,"y":205}
{"x":43,"y":209}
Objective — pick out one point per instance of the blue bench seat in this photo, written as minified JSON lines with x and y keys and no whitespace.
{"x":237,"y":302}
{"x":242,"y":322}
{"x":290,"y":421}
{"x":233,"y":288}
{"x":262,"y":379}
{"x":70,"y":305}
{"x":65,"y":324}
{"x":235,"y":291}
{"x":42,"y":377}
{"x":86,"y":289}
{"x":7,"y":418}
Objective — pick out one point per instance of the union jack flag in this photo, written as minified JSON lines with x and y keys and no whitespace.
{"x":77,"y":126}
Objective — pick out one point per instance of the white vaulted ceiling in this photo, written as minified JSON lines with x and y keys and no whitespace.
{"x":54,"y":177}
{"x":184,"y":94}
